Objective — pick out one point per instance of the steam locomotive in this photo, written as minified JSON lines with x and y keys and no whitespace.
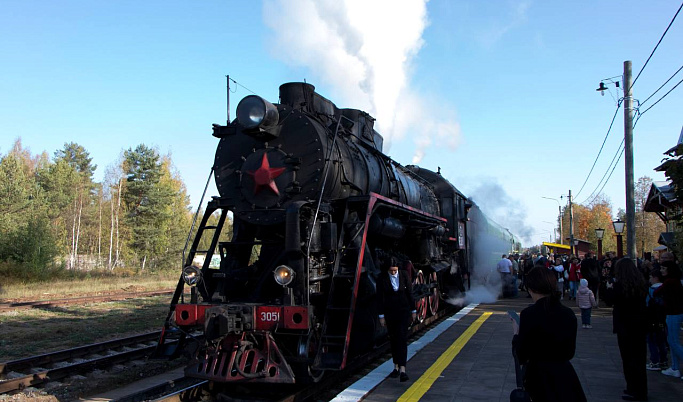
{"x":317,"y":209}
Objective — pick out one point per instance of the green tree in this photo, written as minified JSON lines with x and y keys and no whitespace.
{"x":146,"y":201}
{"x":72,"y":182}
{"x":26,"y":237}
{"x":58,"y":181}
{"x":78,"y":158}
{"x":178,"y":208}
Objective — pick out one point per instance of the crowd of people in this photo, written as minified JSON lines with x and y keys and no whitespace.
{"x":647,"y":301}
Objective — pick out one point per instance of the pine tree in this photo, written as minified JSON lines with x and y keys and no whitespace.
{"x":146,"y":201}
{"x":76,"y":157}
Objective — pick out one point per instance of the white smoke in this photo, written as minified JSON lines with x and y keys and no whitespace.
{"x":478,"y":293}
{"x":502,"y":208}
{"x":364,"y":50}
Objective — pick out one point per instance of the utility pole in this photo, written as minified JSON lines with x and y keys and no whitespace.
{"x":227,"y":77}
{"x":559,"y":215}
{"x":628,"y":151}
{"x":559,"y":218}
{"x":571,"y":224}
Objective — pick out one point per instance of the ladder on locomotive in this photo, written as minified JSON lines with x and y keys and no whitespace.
{"x":172,"y":348}
{"x":203,"y":226}
{"x":338,"y":319}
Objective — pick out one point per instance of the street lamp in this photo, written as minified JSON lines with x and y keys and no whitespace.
{"x":576,"y":247}
{"x":599,"y":233}
{"x":619,"y":229}
{"x":559,"y":208}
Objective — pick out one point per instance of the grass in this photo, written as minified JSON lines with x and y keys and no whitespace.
{"x":87,"y":285}
{"x":25,"y":333}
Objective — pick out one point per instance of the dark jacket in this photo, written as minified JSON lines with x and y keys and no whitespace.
{"x":388,"y":301}
{"x":671,"y":293}
{"x":545,"y":344}
{"x":589,"y":270}
{"x":629,"y":313}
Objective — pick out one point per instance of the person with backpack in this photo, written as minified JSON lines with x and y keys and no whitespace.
{"x":671,"y":292}
{"x":656,"y":325}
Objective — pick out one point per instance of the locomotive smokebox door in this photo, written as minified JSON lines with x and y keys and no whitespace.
{"x":264,"y":177}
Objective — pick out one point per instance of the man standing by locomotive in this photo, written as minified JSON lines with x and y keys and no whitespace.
{"x":396,"y":309}
{"x":504,"y":268}
{"x":515,"y":272}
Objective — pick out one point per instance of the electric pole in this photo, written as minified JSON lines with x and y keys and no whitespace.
{"x":559,"y":218}
{"x":227,"y":78}
{"x":571,"y":224}
{"x":628,"y":162}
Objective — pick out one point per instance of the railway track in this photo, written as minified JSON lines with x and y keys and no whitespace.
{"x":19,"y":374}
{"x":81,"y":300}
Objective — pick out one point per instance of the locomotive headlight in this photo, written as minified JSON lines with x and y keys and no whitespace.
{"x":192,"y":275}
{"x":255,"y":112}
{"x":284,"y":275}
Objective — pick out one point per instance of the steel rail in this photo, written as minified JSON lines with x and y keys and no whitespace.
{"x":62,"y":357}
{"x":80,"y":300}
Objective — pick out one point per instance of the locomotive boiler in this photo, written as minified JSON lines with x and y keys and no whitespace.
{"x":317,"y":208}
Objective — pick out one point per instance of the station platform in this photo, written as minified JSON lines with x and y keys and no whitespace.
{"x":469,"y":359}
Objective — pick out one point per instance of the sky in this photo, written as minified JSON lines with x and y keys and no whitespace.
{"x":500,"y":95}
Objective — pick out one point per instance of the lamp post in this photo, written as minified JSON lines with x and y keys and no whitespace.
{"x":559,"y":215}
{"x":599,"y":233}
{"x":619,"y":229}
{"x":576,"y":247}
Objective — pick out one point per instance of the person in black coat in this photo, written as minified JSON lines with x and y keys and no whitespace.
{"x":545,"y":341}
{"x":589,"y":270}
{"x":671,"y":293}
{"x":396,"y":308}
{"x":629,"y":322}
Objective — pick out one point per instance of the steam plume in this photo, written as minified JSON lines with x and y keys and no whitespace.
{"x":364,"y":50}
{"x":502,"y":208}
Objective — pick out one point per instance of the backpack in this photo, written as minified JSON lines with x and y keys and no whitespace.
{"x":656,"y":316}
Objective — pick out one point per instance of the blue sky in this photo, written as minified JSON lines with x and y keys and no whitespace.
{"x":499,"y":94}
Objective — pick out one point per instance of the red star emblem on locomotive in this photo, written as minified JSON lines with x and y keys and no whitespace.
{"x":265,"y":176}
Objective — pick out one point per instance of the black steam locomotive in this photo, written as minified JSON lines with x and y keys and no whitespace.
{"x":316,"y":210}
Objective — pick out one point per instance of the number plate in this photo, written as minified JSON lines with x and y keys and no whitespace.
{"x":268,"y":317}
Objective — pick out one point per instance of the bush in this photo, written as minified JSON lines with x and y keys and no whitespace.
{"x":29,"y":251}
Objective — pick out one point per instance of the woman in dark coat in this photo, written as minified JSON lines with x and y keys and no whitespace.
{"x":545,"y":342}
{"x":629,"y":322}
{"x":671,"y":293}
{"x":395,"y":305}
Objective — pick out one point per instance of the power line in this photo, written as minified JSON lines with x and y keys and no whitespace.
{"x":242,"y":86}
{"x":662,"y":86}
{"x":663,"y":96}
{"x":610,"y":175}
{"x":601,"y":147}
{"x":657,"y":45}
{"x":619,"y":151}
